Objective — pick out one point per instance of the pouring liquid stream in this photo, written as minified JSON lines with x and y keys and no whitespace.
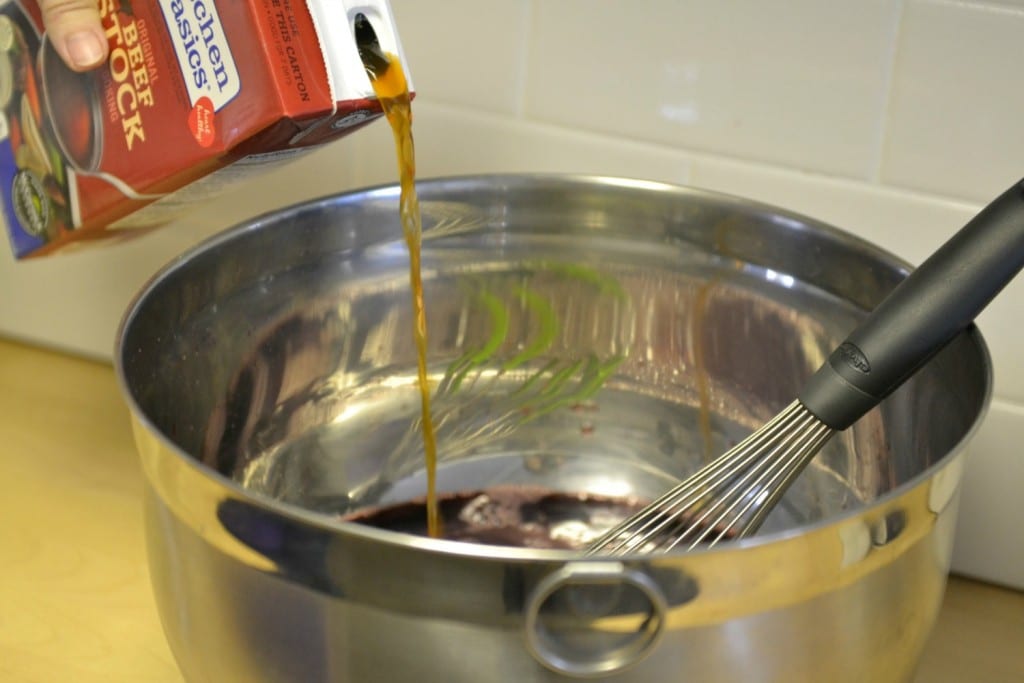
{"x":389,"y":84}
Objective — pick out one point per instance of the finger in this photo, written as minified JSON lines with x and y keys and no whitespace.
{"x":74,"y":27}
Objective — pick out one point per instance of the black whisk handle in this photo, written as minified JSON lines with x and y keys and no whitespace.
{"x":937,"y":301}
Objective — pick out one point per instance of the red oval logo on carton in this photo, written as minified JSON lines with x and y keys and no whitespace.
{"x":201,"y":122}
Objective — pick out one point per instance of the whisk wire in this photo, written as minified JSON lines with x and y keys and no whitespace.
{"x":815,"y":441}
{"x":760,"y":486}
{"x":744,"y":479}
{"x":918,"y":318}
{"x":729,"y":496}
{"x":665,"y":511}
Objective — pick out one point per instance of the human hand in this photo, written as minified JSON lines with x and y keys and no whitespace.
{"x":75,"y":29}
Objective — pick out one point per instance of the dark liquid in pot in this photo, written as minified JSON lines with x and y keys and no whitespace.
{"x":511,"y":516}
{"x":517,"y":516}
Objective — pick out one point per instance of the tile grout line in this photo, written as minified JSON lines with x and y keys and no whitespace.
{"x":875,"y":173}
{"x":692,"y":155}
{"x":529,"y":12}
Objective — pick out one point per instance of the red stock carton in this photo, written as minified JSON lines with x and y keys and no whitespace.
{"x":196,"y":95}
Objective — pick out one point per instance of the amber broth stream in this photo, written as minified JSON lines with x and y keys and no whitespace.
{"x":393,"y":92}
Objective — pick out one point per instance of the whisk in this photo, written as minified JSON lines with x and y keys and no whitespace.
{"x":730,"y":497}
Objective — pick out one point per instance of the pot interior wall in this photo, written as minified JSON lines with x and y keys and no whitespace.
{"x":585,"y":335}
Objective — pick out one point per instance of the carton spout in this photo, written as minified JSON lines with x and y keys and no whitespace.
{"x":370,"y":51}
{"x":355,"y":35}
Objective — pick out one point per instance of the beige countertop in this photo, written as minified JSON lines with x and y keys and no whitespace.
{"x":75,"y":602}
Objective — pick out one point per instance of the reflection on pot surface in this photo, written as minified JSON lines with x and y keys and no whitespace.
{"x":522,"y":399}
{"x":592,"y":341}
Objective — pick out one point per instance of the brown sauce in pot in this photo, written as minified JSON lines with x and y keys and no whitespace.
{"x":509,"y":515}
{"x":521,"y":516}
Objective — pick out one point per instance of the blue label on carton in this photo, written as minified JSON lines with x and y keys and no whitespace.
{"x":28,"y":178}
{"x":11,"y":181}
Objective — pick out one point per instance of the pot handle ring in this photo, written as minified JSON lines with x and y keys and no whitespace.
{"x":593,"y":619}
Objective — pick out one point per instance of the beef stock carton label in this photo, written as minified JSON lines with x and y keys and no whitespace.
{"x":196,"y":95}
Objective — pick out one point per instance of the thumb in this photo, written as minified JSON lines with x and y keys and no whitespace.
{"x":74,"y":27}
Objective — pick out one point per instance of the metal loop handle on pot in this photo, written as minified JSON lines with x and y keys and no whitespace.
{"x":592,"y":619}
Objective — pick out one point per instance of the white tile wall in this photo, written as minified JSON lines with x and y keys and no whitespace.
{"x":894,"y":119}
{"x":989,"y":542}
{"x":778,"y":82}
{"x":954,"y":124}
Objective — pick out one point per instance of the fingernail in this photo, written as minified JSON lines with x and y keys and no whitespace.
{"x":84,"y":48}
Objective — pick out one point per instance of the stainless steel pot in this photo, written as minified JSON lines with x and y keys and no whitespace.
{"x":587,"y":334}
